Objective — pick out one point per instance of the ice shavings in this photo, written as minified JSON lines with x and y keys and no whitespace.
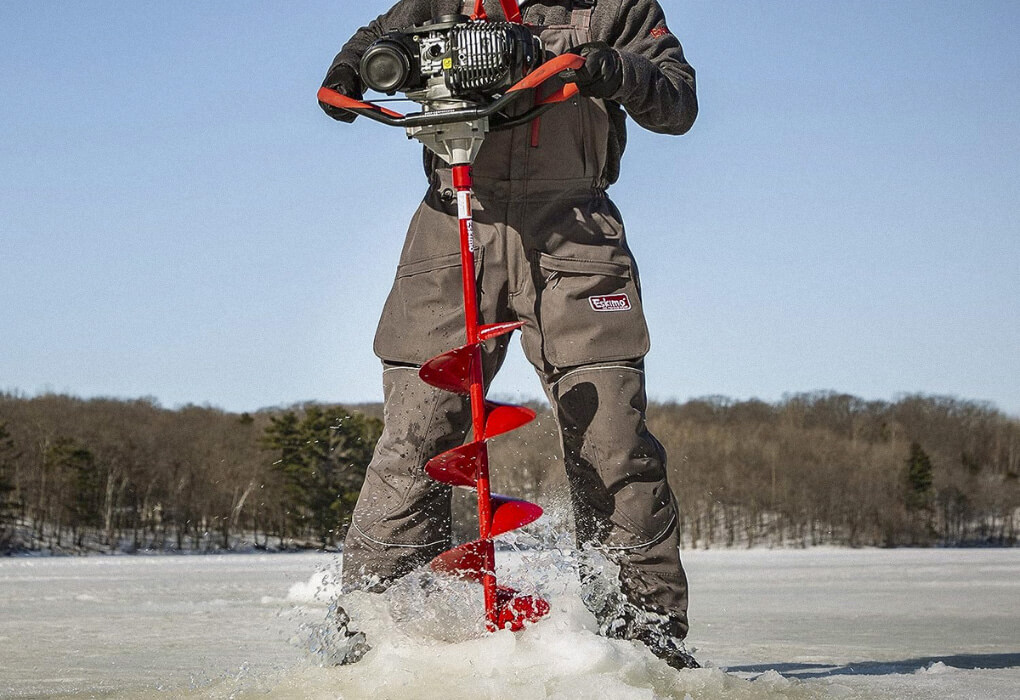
{"x":935,"y":669}
{"x":320,"y":587}
{"x":425,"y":637}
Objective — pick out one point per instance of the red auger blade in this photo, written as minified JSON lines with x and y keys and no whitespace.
{"x":515,"y":610}
{"x":466,"y":562}
{"x":502,"y":418}
{"x":510,"y":514}
{"x":450,"y":371}
{"x":457,"y":467}
{"x":495,"y":330}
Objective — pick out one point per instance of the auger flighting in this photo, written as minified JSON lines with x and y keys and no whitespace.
{"x":465,"y":73}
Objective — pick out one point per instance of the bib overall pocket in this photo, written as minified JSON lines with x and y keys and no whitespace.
{"x":590,"y":312}
{"x":424,"y":313}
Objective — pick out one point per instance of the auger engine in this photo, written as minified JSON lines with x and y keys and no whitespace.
{"x":465,"y":60}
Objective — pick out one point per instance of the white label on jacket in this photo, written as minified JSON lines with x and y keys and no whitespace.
{"x":611,"y":302}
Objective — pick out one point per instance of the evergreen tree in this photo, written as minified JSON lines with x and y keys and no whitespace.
{"x":323,"y":455}
{"x":78,"y":483}
{"x":919,"y":496}
{"x":919,"y":479}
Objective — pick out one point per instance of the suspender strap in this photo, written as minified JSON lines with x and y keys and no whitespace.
{"x":580,"y":18}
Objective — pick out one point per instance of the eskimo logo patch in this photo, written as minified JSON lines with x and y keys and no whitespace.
{"x":612,"y":302}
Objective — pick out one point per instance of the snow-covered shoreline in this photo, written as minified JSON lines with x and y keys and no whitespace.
{"x":242,"y":545}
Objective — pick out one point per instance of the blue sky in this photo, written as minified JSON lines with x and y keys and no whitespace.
{"x":178,"y":219}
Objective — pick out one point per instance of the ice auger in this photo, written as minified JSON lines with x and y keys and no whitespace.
{"x":466,"y":73}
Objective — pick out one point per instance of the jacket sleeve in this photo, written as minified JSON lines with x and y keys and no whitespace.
{"x":658,"y":88}
{"x":403,"y":15}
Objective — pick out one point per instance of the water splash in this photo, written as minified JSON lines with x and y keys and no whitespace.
{"x":422,"y":638}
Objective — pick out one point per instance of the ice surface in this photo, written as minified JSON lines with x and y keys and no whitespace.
{"x":774,"y":624}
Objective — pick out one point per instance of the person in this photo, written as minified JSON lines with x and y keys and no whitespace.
{"x":552,"y":252}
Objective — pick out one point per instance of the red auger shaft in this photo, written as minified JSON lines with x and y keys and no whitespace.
{"x":462,"y":183}
{"x":460,"y":370}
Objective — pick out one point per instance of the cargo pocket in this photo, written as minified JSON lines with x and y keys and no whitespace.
{"x":424,"y":313}
{"x":589,"y":311}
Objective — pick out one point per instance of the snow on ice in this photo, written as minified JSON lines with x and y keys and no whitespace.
{"x":821,"y":623}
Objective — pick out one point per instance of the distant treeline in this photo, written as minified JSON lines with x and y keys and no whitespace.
{"x":109,"y":475}
{"x":104,"y":475}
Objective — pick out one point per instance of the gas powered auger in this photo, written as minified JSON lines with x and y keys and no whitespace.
{"x":465,"y":73}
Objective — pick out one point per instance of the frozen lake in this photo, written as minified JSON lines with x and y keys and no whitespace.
{"x":773,"y":624}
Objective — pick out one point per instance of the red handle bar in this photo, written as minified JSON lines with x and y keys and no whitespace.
{"x":551,"y":68}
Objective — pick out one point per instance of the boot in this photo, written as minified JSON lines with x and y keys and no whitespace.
{"x":340,"y":644}
{"x":618,"y":618}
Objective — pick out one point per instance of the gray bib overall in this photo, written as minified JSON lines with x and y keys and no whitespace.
{"x":551,"y":252}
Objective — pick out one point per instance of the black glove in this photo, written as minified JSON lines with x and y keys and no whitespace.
{"x":601,"y":75}
{"x":344,"y":79}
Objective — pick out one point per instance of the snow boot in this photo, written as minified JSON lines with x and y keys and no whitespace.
{"x":342,"y":645}
{"x":618,"y":618}
{"x":669,"y":649}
